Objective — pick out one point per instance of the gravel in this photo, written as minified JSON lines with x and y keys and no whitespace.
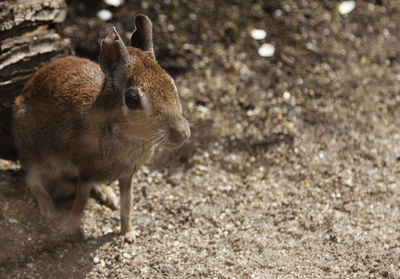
{"x":292,"y":170}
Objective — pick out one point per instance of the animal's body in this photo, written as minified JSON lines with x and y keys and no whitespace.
{"x":97,"y":122}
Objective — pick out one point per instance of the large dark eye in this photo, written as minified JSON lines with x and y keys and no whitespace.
{"x":132,"y":99}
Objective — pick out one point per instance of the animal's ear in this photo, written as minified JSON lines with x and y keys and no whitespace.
{"x":142,"y":37}
{"x":113,"y":52}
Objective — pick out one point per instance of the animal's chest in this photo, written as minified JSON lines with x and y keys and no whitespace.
{"x":114,"y":159}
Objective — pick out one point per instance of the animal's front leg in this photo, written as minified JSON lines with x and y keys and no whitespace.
{"x":73,"y":221}
{"x":125,"y":185}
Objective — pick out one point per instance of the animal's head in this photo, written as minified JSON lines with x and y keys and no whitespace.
{"x":145,"y":94}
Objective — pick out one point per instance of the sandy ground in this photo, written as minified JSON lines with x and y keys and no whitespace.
{"x":293,"y":167}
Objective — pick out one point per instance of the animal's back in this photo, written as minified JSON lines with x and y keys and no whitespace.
{"x":52,"y":105}
{"x":71,"y":81}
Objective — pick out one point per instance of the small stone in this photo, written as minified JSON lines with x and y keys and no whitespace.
{"x":170,"y":27}
{"x":258,"y":34}
{"x":107,"y":229}
{"x":96,"y":260}
{"x":126,"y":255}
{"x":266,"y":50}
{"x":115,"y":3}
{"x":346,"y":7}
{"x":278,"y":12}
{"x":173,"y":180}
{"x":13,"y":221}
{"x":145,"y":170}
{"x":104,"y":15}
{"x":386,"y":32}
{"x":286,"y":95}
{"x":145,"y":5}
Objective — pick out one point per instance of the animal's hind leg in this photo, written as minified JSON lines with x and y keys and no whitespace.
{"x":35,"y":184}
{"x":60,"y":187}
{"x":105,"y":195}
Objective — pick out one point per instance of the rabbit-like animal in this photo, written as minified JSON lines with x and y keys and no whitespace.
{"x":96,"y":122}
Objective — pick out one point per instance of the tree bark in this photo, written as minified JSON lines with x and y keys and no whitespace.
{"x":28,"y":40}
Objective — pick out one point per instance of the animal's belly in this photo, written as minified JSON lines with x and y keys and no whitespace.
{"x":115,"y":165}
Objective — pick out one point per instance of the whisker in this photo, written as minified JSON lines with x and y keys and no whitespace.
{"x":131,"y":152}
{"x":191,"y":115}
{"x":188,"y":113}
{"x":146,"y":122}
{"x":155,"y":138}
{"x":194,"y":124}
{"x":153,"y":149}
{"x":160,"y":132}
{"x":131,"y":123}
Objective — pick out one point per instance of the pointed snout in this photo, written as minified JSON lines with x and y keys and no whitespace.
{"x":178,"y":132}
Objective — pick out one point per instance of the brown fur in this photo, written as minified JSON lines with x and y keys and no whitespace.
{"x":69,"y":118}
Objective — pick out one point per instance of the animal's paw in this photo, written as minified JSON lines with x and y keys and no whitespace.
{"x":130,"y":236}
{"x":47,"y":210}
{"x":106,"y":195}
{"x":70,"y":226}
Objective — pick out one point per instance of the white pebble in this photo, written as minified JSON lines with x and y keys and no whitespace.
{"x":170,"y":27}
{"x":386,"y":32}
{"x":346,"y":7}
{"x":115,"y":3}
{"x":278,"y":12}
{"x":104,"y":15}
{"x":96,"y":260}
{"x":258,"y":34}
{"x":286,"y":95}
{"x":202,"y":168}
{"x":13,"y":221}
{"x":266,"y":50}
{"x":126,"y":255}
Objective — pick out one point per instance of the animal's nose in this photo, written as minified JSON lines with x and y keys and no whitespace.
{"x":179,"y":132}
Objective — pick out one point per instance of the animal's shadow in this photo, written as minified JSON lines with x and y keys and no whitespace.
{"x":28,"y":239}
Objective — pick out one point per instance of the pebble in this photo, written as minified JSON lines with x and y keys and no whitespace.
{"x":115,"y":3}
{"x":278,"y":12}
{"x":13,"y":221}
{"x":266,"y":50}
{"x":104,"y":15}
{"x":126,"y":255}
{"x":96,"y":260}
{"x":107,"y":229}
{"x":346,"y":7}
{"x":286,"y":95}
{"x":258,"y":34}
{"x":173,"y":180}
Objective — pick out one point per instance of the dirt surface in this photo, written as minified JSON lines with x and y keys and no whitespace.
{"x":293,"y":168}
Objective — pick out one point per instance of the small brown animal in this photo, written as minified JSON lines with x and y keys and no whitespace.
{"x":96,"y":122}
